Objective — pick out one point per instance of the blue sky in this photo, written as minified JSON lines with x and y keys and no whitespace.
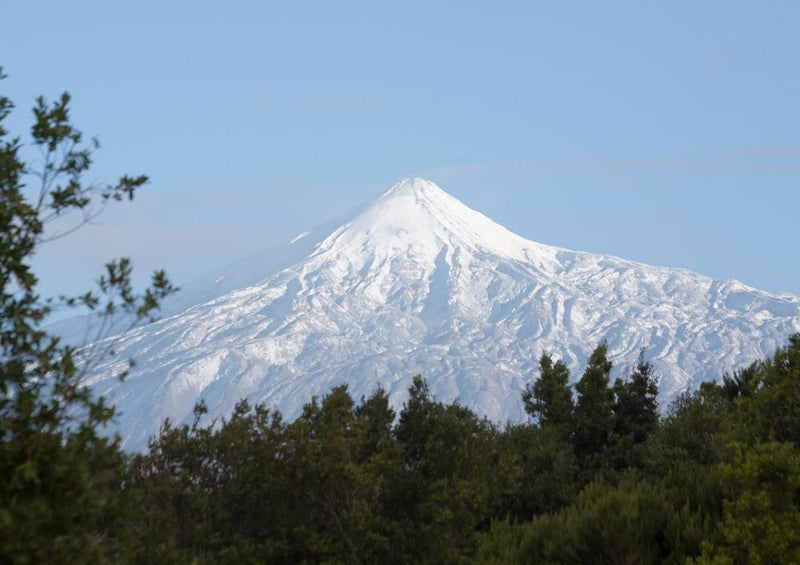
{"x":667,"y":133}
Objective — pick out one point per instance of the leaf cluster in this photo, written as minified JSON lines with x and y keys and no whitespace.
{"x":58,"y":474}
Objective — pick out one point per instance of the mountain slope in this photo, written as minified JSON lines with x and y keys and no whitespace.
{"x":419,"y":283}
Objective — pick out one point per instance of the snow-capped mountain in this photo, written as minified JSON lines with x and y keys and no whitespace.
{"x":418,"y":283}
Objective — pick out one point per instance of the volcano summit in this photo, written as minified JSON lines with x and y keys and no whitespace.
{"x":417,"y":282}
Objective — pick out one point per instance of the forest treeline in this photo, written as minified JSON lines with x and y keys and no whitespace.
{"x":597,"y":476}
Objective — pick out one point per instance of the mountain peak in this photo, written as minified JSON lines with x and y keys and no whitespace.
{"x":420,"y":193}
{"x":416,"y":186}
{"x":416,"y":213}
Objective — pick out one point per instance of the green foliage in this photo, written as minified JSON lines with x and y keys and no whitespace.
{"x":708,"y":484}
{"x":57,"y":475}
{"x":345,"y":483}
{"x":635,"y":404}
{"x":543,"y":472}
{"x":449,"y":476}
{"x":594,"y":415}
{"x":549,"y":400}
{"x":761,"y":521}
{"x":336,"y":485}
{"x":606,"y":525}
{"x":742,"y":383}
{"x":693,"y":427}
{"x":635,"y":416}
{"x":661,"y":521}
{"x":775,"y":409}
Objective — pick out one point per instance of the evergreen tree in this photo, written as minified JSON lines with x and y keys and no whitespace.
{"x":742,"y":383}
{"x":449,"y":480}
{"x":415,"y":423}
{"x":337,"y":494}
{"x":377,"y":419}
{"x":692,"y":427}
{"x":775,"y":410}
{"x":594,"y":416}
{"x":635,"y":402}
{"x":544,"y":473}
{"x":635,"y":413}
{"x":549,"y":399}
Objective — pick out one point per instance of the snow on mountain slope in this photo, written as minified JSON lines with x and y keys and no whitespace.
{"x":246,"y":271}
{"x":419,"y":283}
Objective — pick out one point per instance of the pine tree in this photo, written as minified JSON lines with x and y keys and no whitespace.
{"x":635,"y":403}
{"x":778,"y":400}
{"x":635,"y":414}
{"x":549,"y":399}
{"x":376,"y":417}
{"x":594,"y":416}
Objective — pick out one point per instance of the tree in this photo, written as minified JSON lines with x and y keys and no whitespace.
{"x":543,"y":477}
{"x":776,"y":406}
{"x":594,"y":418}
{"x":635,"y":402}
{"x":743,"y":383}
{"x":54,"y":467}
{"x":449,"y":478}
{"x":549,"y":400}
{"x":635,"y":412}
{"x":761,"y":521}
{"x":606,"y":525}
{"x":376,"y":417}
